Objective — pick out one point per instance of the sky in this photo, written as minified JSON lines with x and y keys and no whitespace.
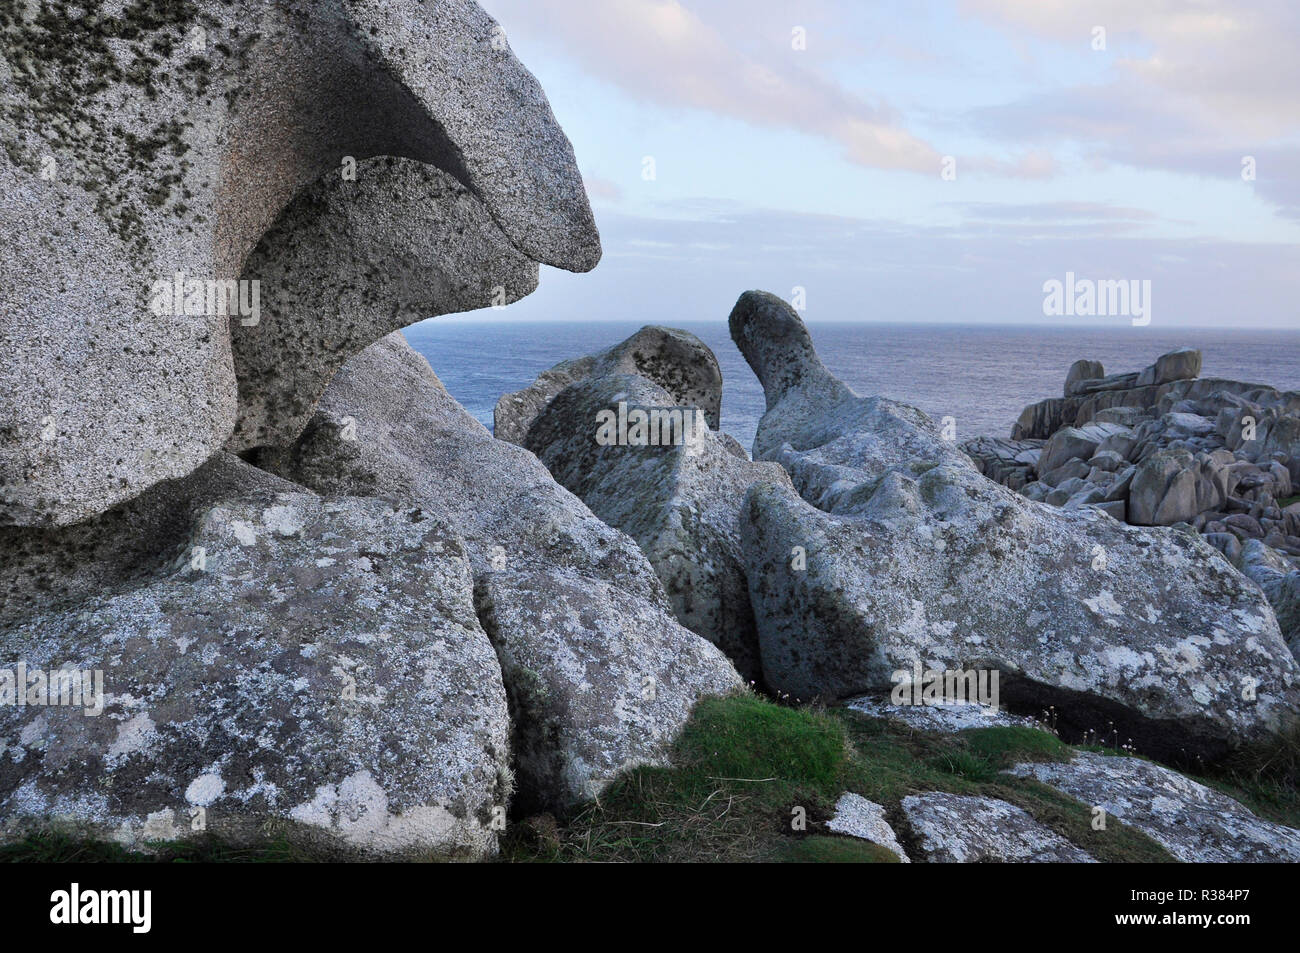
{"x":925,"y":160}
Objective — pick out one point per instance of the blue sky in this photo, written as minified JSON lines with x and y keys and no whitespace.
{"x":821,"y":167}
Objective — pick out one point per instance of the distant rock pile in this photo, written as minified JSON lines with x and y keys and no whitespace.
{"x":1165,"y":447}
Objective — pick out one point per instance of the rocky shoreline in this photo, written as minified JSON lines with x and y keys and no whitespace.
{"x":325,"y":604}
{"x":1218,"y":459}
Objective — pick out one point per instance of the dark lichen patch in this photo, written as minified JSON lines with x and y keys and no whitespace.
{"x":66,"y":60}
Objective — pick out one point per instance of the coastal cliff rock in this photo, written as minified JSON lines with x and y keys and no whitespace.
{"x":350,"y":261}
{"x":573,"y":607}
{"x":900,"y":551}
{"x":597,"y":684}
{"x":678,"y":497}
{"x":319,"y":673}
{"x":1218,"y":457}
{"x":677,"y":361}
{"x":1279,"y":580}
{"x":166,"y":142}
{"x":387,"y":427}
{"x":47,"y":569}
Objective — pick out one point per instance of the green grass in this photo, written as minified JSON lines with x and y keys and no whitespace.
{"x":1288,"y":501}
{"x":1265,"y":777}
{"x":746,"y":769}
{"x":744,"y":765}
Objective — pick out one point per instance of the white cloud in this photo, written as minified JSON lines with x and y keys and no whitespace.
{"x":664,"y":52}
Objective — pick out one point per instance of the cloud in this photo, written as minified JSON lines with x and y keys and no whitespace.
{"x":663,"y":52}
{"x":1055,"y":211}
{"x":1199,"y":87}
{"x":692,"y":262}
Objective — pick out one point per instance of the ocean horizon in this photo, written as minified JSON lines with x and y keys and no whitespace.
{"x":981,"y":375}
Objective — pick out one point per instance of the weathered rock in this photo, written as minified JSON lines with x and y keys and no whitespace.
{"x":319,"y":673}
{"x":1191,"y":821}
{"x":1280,"y":582}
{"x":1075,"y":443}
{"x":944,"y":718}
{"x":44,"y":569}
{"x":679,"y":498}
{"x":553,"y":582}
{"x":1081,"y":371}
{"x":387,"y":427}
{"x":954,"y":571}
{"x":911,"y":556}
{"x":1013,"y":463}
{"x":597,"y":686}
{"x":1183,"y":364}
{"x":167,"y":142}
{"x":343,"y":266}
{"x":858,"y":817}
{"x":959,"y":829}
{"x":1173,"y":486}
{"x":677,"y":361}
{"x":1039,"y":421}
{"x":835,"y":438}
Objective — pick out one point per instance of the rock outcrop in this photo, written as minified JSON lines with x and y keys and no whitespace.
{"x":597,"y":684}
{"x":387,"y":427}
{"x":1279,"y":580}
{"x":900,"y":551}
{"x":345,"y":265}
{"x":166,"y":142}
{"x":858,"y":817}
{"x":679,"y":496}
{"x":563,"y":595}
{"x":960,"y":829}
{"x":43,"y":570}
{"x":1216,"y":456}
{"x":1191,"y":821}
{"x":319,"y":671}
{"x":677,"y":361}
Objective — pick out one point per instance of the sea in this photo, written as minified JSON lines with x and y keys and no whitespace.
{"x":980,"y":375}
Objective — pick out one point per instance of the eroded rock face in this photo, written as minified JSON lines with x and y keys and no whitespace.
{"x":1191,"y":821}
{"x":1280,"y":582}
{"x":942,"y":718}
{"x":959,"y":829}
{"x":1173,"y":486}
{"x":836,"y":439}
{"x":679,"y":501}
{"x":597,"y":685}
{"x":387,"y":427}
{"x":44,"y":569}
{"x":167,"y":142}
{"x":321,"y":673}
{"x":553,"y":581}
{"x":912,"y":555}
{"x":677,"y":361}
{"x":948,"y":568}
{"x":350,"y":261}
